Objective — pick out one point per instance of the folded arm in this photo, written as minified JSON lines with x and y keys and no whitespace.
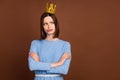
{"x":64,"y":57}
{"x":61,"y":66}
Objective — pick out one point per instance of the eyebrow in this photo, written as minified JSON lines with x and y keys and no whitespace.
{"x":49,"y":22}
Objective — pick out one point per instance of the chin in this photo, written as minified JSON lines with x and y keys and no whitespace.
{"x":50,"y":33}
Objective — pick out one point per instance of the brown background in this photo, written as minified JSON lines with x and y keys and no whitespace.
{"x":92,"y":27}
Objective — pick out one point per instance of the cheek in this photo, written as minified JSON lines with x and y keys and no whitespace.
{"x":44,"y":27}
{"x":53,"y":26}
{"x":54,"y":29}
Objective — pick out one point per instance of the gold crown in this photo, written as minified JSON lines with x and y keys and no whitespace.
{"x":50,"y":8}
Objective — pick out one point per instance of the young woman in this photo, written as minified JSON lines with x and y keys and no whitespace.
{"x":49,"y":57}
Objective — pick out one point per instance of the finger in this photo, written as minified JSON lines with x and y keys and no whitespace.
{"x":30,"y":54}
{"x":67,"y":55}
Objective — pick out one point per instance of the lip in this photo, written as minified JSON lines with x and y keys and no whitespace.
{"x":49,"y":30}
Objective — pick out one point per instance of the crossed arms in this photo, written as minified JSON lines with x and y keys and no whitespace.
{"x":64,"y":57}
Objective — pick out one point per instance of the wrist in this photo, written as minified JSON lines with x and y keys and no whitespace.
{"x":37,"y":60}
{"x":55,"y":64}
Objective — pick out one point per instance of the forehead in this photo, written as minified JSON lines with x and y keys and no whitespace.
{"x":48,"y":19}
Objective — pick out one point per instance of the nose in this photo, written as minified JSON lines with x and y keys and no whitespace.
{"x":48,"y":25}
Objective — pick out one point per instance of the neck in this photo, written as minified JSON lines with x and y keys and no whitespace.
{"x":50,"y":37}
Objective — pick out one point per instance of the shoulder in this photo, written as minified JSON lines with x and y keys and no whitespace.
{"x":65,"y":42}
{"x":35,"y":41}
{"x":67,"y":46}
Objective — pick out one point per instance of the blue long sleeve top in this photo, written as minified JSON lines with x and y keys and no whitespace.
{"x":49,"y":52}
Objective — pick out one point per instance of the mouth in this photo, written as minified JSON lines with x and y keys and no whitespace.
{"x":49,"y":30}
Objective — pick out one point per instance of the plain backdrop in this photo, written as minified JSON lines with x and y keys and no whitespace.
{"x":91,"y":26}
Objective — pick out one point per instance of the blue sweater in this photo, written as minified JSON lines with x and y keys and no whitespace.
{"x":49,"y":52}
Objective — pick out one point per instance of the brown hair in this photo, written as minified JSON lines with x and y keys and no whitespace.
{"x":42,"y":32}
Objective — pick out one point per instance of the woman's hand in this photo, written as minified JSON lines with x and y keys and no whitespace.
{"x":64,"y":57}
{"x":34,"y":56}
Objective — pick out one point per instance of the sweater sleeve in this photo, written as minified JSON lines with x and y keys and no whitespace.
{"x":33,"y":65}
{"x":63,"y":69}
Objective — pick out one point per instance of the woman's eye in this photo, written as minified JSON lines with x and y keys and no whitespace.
{"x":44,"y":23}
{"x":52,"y":22}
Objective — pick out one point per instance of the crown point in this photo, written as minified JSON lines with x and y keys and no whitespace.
{"x":50,"y":8}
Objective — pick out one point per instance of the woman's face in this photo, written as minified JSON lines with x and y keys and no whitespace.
{"x":49,"y":26}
